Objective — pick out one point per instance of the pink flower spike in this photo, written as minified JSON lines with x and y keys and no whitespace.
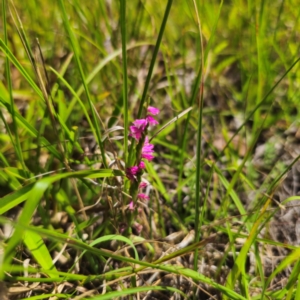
{"x":143,"y":185}
{"x":142,"y":196}
{"x":142,"y":165}
{"x":151,"y":120}
{"x":153,"y":110}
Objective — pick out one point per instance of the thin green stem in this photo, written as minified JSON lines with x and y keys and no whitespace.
{"x":151,"y":67}
{"x":153,"y":59}
{"x":198,"y":203}
{"x":125,"y":77}
{"x":192,"y":102}
{"x":16,"y":143}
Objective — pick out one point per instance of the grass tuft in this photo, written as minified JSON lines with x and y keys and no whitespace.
{"x":96,"y":202}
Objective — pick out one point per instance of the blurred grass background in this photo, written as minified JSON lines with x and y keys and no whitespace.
{"x":248,"y":48}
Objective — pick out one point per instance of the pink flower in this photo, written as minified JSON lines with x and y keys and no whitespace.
{"x":140,"y":123}
{"x":142,"y":185}
{"x":142,"y":165}
{"x":131,"y":172}
{"x":151,"y":120}
{"x":147,"y":150}
{"x":138,"y":128}
{"x":152,"y":110}
{"x":142,"y":196}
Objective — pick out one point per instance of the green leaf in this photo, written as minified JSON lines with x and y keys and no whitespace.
{"x":15,"y":198}
{"x":37,"y":247}
{"x":135,"y":290}
{"x":35,"y":194}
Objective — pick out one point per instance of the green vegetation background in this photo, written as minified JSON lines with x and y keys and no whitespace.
{"x":249,"y":88}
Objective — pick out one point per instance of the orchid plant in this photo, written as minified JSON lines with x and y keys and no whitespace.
{"x":144,"y":151}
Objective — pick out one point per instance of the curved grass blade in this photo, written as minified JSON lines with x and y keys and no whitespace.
{"x":35,"y":195}
{"x":240,"y":263}
{"x":56,"y":236}
{"x":20,"y":68}
{"x":12,"y":200}
{"x":135,"y":290}
{"x":74,"y":43}
{"x":31,"y":130}
{"x":112,"y":237}
{"x":48,"y":296}
{"x":16,"y":141}
{"x":37,"y":247}
{"x":258,"y":106}
{"x":171,"y":122}
{"x":97,"y":69}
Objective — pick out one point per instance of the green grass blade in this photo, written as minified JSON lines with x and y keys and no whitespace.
{"x":135,"y":290}
{"x":112,"y":275}
{"x":37,"y":247}
{"x":125,"y":76}
{"x":76,"y":49}
{"x":35,"y":196}
{"x":195,"y":93}
{"x":240,"y":263}
{"x":20,"y":68}
{"x":30,"y":129}
{"x":112,"y":237}
{"x":109,"y":58}
{"x":157,"y":182}
{"x":260,"y":104}
{"x":154,"y":55}
{"x":16,"y":143}
{"x":151,"y":68}
{"x":12,"y":200}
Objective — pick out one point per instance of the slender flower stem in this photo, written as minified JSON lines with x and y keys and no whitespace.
{"x":143,"y":150}
{"x":154,"y":55}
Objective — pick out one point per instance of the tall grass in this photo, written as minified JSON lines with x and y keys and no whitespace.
{"x":76,"y":75}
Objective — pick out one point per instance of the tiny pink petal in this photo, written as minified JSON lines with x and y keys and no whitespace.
{"x":142,"y":196}
{"x":153,"y":110}
{"x":151,"y":120}
{"x":147,"y":147}
{"x":135,"y":132}
{"x":140,"y":123}
{"x":138,"y":227}
{"x":143,"y":185}
{"x":131,"y":206}
{"x":131,"y":172}
{"x":147,"y":150}
{"x":142,"y":165}
{"x":147,"y":156}
{"x":138,"y":127}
